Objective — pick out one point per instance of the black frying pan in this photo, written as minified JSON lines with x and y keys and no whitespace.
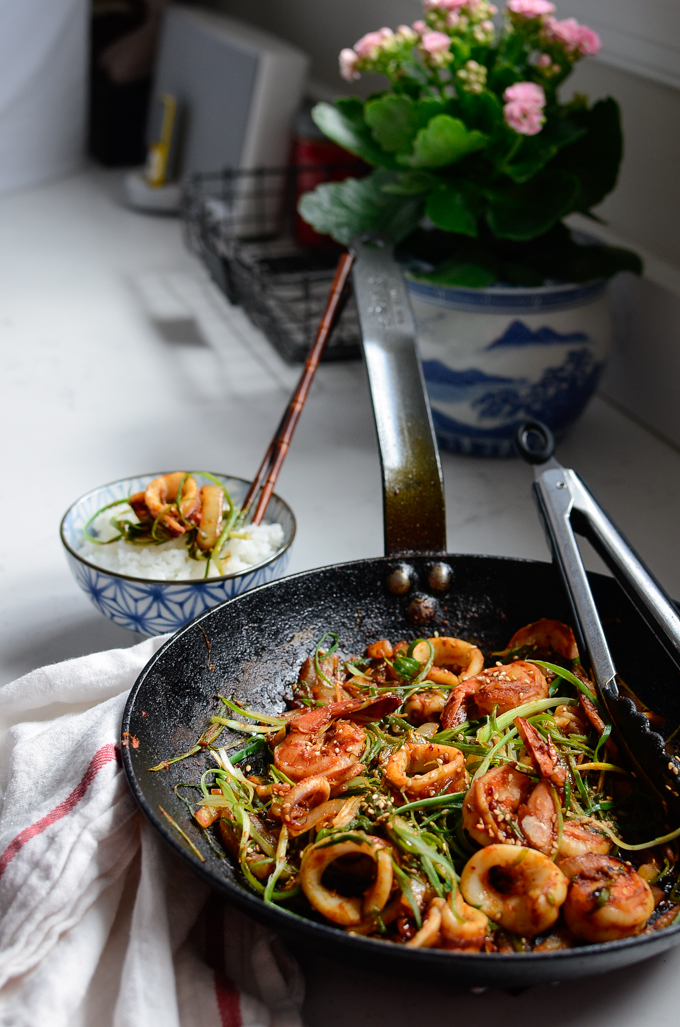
{"x":258,"y":640}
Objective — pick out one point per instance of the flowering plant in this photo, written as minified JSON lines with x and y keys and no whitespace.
{"x":475,"y":158}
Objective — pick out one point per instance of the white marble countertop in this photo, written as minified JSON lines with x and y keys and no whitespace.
{"x":121,"y":357}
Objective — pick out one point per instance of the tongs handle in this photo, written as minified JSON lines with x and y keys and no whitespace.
{"x":566,"y":505}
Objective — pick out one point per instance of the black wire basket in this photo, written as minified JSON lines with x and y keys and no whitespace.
{"x":245,"y":227}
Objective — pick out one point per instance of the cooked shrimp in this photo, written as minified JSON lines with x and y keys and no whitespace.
{"x":462,"y":927}
{"x":341,"y":909}
{"x":581,"y":836}
{"x":504,"y":687}
{"x":456,"y":710}
{"x":490,"y":808}
{"x":542,"y":751}
{"x":549,"y":636}
{"x":361,"y":710}
{"x":163,"y":491}
{"x":325,"y":741}
{"x":456,"y":656}
{"x":212,"y":508}
{"x":607,"y":899}
{"x":491,"y":804}
{"x":425,"y":706}
{"x":510,"y":686}
{"x":333,"y":753}
{"x":521,"y":889}
{"x":537,"y":819}
{"x":421,"y":770}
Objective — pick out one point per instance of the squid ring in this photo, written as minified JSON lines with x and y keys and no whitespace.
{"x":423,"y":770}
{"x":345,"y":910}
{"x":463,"y":927}
{"x":428,"y":935}
{"x":302,"y":797}
{"x":453,"y":653}
{"x":521,"y":889}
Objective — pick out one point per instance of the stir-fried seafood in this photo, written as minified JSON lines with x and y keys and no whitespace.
{"x":413,"y":795}
{"x":172,"y":507}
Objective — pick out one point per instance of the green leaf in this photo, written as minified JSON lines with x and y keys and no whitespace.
{"x":428,"y":108}
{"x":450,"y":209}
{"x":393,"y":122}
{"x":343,"y":209}
{"x":536,"y":151}
{"x":481,"y":110}
{"x":596,"y":156}
{"x":412,"y":183}
{"x":342,"y":125}
{"x":454,"y":272}
{"x":352,"y":108}
{"x":532,"y":208}
{"x":443,"y":141}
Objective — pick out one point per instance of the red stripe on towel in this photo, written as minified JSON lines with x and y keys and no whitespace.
{"x":228,"y":1001}
{"x":101,"y":758}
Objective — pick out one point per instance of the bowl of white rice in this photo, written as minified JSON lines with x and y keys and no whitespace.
{"x":153,"y":589}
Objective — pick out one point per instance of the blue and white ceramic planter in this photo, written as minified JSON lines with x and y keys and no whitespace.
{"x":494,"y":357}
{"x":155,"y":607}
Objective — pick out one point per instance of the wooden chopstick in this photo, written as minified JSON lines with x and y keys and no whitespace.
{"x":278,"y":447}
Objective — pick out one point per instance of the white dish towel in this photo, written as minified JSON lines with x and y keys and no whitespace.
{"x":100,"y":924}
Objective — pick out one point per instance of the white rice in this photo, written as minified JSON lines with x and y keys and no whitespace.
{"x":170,"y":561}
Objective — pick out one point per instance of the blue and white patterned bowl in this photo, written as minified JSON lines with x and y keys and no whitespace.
{"x":155,"y":607}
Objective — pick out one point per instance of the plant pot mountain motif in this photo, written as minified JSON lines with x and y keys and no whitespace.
{"x":499,"y":356}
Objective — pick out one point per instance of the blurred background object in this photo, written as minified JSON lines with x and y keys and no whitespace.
{"x":124,"y":35}
{"x":43,"y":89}
{"x":237,"y":90}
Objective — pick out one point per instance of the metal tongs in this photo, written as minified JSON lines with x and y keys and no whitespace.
{"x":567,"y":506}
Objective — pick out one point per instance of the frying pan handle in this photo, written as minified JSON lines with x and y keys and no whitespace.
{"x":413,"y":488}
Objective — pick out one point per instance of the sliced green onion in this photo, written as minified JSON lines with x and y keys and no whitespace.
{"x":98,"y":541}
{"x":262,"y":717}
{"x":438,"y":800}
{"x":527,"y":710}
{"x":567,"y":675}
{"x":404,"y":882}
{"x":238,"y":725}
{"x":185,"y":836}
{"x":329,"y":652}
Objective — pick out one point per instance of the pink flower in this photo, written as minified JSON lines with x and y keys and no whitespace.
{"x":531,"y":8}
{"x":544,"y":61}
{"x":435,"y":42}
{"x":590,"y":43}
{"x":574,"y":38}
{"x":523,"y":110}
{"x":444,"y":5}
{"x":528,"y":93}
{"x":370,"y":44}
{"x":348,"y":64}
{"x":420,"y":27}
{"x":406,"y":34}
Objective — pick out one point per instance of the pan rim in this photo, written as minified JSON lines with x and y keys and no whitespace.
{"x":286,"y":920}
